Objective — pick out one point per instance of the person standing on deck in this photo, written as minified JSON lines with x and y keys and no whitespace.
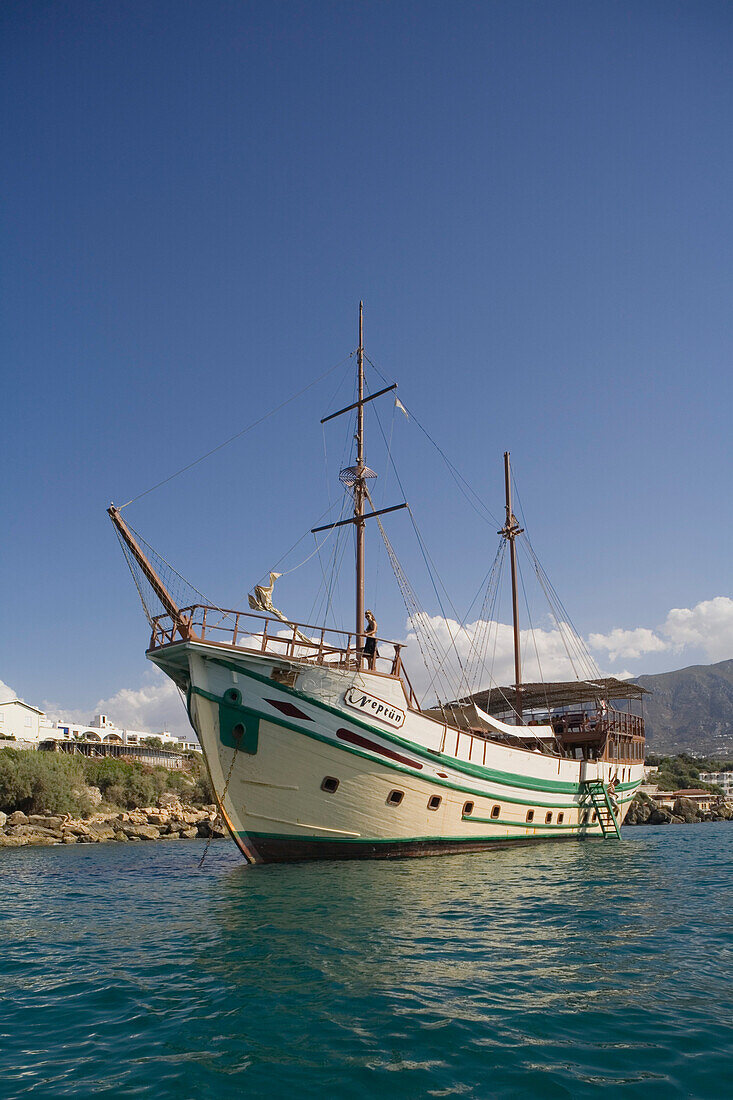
{"x":370,"y":644}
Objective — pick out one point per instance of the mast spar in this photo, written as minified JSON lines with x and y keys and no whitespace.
{"x":509,"y":531}
{"x":360,"y":488}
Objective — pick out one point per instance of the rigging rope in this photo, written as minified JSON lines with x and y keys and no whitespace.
{"x":237,"y":435}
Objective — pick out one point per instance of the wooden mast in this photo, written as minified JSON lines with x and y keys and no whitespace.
{"x":181,"y":622}
{"x":510,"y":530}
{"x":359,"y":489}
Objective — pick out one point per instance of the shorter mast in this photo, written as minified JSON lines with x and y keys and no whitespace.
{"x":509,"y":531}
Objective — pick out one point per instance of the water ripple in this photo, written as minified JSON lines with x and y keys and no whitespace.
{"x":557,"y":970}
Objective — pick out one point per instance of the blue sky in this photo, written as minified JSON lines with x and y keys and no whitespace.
{"x":533,"y":200}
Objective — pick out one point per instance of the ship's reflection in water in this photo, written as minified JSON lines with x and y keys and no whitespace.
{"x":552,"y":967}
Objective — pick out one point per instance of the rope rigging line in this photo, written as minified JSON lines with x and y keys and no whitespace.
{"x":455,"y":472}
{"x":559,"y":611}
{"x":440,"y":656}
{"x":238,"y":434}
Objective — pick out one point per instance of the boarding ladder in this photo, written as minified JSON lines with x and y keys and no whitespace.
{"x":603,"y":806}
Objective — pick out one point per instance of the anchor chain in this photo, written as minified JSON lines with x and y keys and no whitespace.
{"x":237,"y":739}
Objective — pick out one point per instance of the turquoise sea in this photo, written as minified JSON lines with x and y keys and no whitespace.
{"x":556,"y":970}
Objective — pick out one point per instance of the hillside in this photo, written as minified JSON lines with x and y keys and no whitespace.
{"x":690,"y":710}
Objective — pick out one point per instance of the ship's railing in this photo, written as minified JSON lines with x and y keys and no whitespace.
{"x":316,"y":645}
{"x":620,"y":732}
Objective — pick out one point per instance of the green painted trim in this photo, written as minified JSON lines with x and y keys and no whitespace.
{"x":380,"y":840}
{"x":435,"y":780}
{"x":505,"y":779}
{"x":523,"y":824}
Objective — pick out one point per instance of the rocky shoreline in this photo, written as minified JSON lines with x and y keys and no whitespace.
{"x":643,"y":811}
{"x":171,"y":821}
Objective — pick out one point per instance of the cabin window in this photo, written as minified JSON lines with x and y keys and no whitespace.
{"x":330,"y":784}
{"x":434,"y":801}
{"x":593,"y":817}
{"x":495,"y":811}
{"x":560,"y":818}
{"x":395,"y":797}
{"x":548,"y":817}
{"x":467,"y":809}
{"x":530,"y":815}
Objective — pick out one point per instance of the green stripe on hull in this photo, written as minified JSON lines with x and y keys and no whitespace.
{"x":254,"y":837}
{"x":508,"y":779}
{"x":394,"y":766}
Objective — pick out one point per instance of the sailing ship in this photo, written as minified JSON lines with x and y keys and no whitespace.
{"x":318,"y":748}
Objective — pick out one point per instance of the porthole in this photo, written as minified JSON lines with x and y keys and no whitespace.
{"x":530,"y":815}
{"x":560,"y":818}
{"x":467,"y":809}
{"x":395,"y":797}
{"x":434,"y":801}
{"x":330,"y":784}
{"x":548,"y":817}
{"x":495,"y":811}
{"x":593,"y":817}
{"x":238,"y":731}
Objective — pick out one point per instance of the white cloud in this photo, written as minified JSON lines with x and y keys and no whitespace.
{"x":703,"y":632}
{"x":707,"y":626}
{"x":486,"y":651}
{"x":154,"y":707}
{"x":629,"y":644}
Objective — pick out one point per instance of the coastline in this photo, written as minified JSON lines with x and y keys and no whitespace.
{"x":167,"y":822}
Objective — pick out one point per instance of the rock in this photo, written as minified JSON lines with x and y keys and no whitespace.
{"x":31,"y":831}
{"x":17,"y":818}
{"x":660,"y":815}
{"x":141,"y":832}
{"x":686,"y":809}
{"x":78,"y":828}
{"x":101,"y":830}
{"x":3,"y":819}
{"x":119,"y":835}
{"x":157,"y":818}
{"x":169,"y":801}
{"x":170,"y":835}
{"x":189,"y":833}
{"x":12,"y":841}
{"x":47,"y":822}
{"x":69,"y":838}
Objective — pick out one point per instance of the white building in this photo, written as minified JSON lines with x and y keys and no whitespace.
{"x":723,"y":779}
{"x":24,"y":724}
{"x":21,"y":722}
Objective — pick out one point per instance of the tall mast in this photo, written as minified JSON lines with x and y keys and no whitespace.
{"x":510,"y":530}
{"x":359,"y":491}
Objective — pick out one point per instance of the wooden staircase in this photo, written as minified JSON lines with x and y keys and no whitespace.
{"x":603,"y":806}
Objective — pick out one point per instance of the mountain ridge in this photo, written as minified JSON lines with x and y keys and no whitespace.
{"x":690,"y":709}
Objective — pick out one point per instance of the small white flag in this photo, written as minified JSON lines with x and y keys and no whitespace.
{"x":398,"y":405}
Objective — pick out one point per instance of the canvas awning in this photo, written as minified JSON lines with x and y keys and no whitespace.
{"x":541,"y":696}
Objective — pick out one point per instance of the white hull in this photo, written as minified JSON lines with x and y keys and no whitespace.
{"x":294,"y":734}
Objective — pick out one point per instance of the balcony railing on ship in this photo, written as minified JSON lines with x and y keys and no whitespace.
{"x":243,"y":630}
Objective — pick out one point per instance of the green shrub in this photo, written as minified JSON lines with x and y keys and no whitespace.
{"x":35,"y":782}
